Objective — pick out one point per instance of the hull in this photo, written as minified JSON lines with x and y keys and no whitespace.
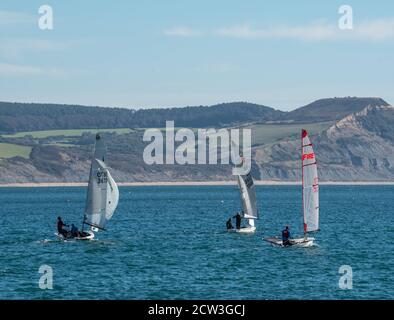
{"x":88,"y":235}
{"x":299,"y":242}
{"x":243,"y":230}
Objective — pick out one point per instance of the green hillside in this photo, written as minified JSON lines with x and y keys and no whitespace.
{"x":8,"y":150}
{"x":269,"y":133}
{"x":66,"y":133}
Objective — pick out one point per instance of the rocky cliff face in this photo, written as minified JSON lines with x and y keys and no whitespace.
{"x":358,"y":147}
{"x":331,"y":109}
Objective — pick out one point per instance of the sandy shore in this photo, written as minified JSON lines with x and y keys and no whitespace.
{"x":192,"y":183}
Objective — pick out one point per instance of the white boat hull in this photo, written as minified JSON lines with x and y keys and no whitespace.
{"x":300,"y":242}
{"x":89,"y":236}
{"x":243,"y":230}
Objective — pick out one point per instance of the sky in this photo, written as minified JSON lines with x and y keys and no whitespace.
{"x":140,"y":54}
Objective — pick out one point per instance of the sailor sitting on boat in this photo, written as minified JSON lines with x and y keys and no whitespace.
{"x":229,"y":224}
{"x":286,"y":237}
{"x":60,"y":225}
{"x":74,"y":231}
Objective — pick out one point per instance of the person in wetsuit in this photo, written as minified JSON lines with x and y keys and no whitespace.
{"x":74,"y":230}
{"x":60,"y":225}
{"x":238,"y":220}
{"x":229,"y":224}
{"x":286,"y":237}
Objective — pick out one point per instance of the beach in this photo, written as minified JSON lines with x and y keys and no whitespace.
{"x":189,"y":183}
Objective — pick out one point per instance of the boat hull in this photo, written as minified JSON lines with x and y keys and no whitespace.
{"x":299,"y":242}
{"x":243,"y":230}
{"x":88,"y":236}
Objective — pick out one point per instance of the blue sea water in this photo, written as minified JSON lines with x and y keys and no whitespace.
{"x":171,"y":243}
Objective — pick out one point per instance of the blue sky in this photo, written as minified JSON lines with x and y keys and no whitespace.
{"x":139,"y":54}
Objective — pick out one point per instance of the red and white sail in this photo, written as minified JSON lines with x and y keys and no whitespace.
{"x":310,"y":185}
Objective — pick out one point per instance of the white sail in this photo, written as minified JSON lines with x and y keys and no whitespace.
{"x":112,"y":196}
{"x":310,"y":185}
{"x":248,"y":196}
{"x":246,"y":187}
{"x":103,"y":193}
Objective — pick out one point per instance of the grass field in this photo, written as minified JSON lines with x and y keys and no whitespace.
{"x":60,"y":145}
{"x":261,"y":134}
{"x":8,"y":150}
{"x":270,"y":133}
{"x":67,"y":133}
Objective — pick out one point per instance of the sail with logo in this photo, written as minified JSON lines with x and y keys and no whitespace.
{"x":310,"y":186}
{"x":101,"y":199}
{"x":103,"y":193}
{"x":310,"y":195}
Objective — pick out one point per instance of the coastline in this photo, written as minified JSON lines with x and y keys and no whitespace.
{"x":188,"y":183}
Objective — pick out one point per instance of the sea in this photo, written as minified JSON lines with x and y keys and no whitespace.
{"x":170,"y":242}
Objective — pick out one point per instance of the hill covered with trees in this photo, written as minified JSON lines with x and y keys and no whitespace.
{"x":19,"y":117}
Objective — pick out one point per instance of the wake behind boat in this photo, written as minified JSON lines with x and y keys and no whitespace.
{"x":101,"y":200}
{"x":310,"y":197}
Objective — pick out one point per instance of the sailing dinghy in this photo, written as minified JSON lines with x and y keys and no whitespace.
{"x":102,"y":195}
{"x":310,"y":196}
{"x":249,"y":204}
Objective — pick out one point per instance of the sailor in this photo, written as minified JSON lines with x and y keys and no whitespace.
{"x":60,"y":225}
{"x":238,"y":219}
{"x":229,"y":224}
{"x":74,"y":230}
{"x":286,"y":236}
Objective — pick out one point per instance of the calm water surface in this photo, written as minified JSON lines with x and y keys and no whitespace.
{"x":171,"y":243}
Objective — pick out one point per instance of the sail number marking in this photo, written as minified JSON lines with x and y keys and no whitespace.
{"x":101,"y":177}
{"x":308,"y":156}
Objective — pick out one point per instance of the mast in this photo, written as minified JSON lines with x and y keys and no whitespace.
{"x":87,"y":197}
{"x":302,"y":180}
{"x":98,"y":153}
{"x":87,"y":194}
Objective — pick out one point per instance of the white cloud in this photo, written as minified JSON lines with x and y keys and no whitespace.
{"x":32,"y":44}
{"x":13,"y":70}
{"x":181,"y":32}
{"x":18,"y":70}
{"x":374,"y":30}
{"x":10,"y":17}
{"x":312,"y":32}
{"x":382,"y":29}
{"x":215,"y":67}
{"x":15,"y":48}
